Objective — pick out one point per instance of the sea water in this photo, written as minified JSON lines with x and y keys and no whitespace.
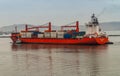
{"x":59,"y":60}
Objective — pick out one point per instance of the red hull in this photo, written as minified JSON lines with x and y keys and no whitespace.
{"x":63,"y":41}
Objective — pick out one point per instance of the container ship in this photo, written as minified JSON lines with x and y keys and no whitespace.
{"x":92,"y":35}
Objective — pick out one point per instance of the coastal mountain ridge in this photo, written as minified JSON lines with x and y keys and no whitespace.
{"x":110,"y":26}
{"x":106,"y":26}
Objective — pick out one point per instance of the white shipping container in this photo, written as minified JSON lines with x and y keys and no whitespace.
{"x":28,"y":34}
{"x":79,"y":36}
{"x":53,"y":34}
{"x":60,"y":34}
{"x":47,"y":34}
{"x":23,"y":34}
{"x":40,"y":35}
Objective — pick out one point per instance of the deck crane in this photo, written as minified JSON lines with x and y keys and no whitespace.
{"x":37,"y":27}
{"x":71,"y":26}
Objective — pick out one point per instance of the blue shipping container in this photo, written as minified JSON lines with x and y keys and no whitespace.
{"x":67,"y":35}
{"x":36,"y":32}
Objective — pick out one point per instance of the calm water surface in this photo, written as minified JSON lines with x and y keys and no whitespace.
{"x":59,"y":60}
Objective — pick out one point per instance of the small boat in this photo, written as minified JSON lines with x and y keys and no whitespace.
{"x":92,"y":35}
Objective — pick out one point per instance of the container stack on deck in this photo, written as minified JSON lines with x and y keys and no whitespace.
{"x":52,"y":34}
{"x":26,"y":34}
{"x":41,"y":35}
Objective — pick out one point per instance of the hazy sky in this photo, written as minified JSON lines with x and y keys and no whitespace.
{"x":59,"y":12}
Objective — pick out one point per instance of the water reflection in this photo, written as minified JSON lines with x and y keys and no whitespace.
{"x":59,"y":60}
{"x":64,"y":48}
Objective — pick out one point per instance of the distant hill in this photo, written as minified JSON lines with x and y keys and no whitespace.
{"x":11,"y":28}
{"x":110,"y":26}
{"x":106,"y":26}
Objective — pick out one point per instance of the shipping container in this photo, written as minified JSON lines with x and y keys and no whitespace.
{"x":79,"y":36}
{"x":26,"y":34}
{"x":60,"y":34}
{"x":67,"y":35}
{"x":23,"y":35}
{"x":36,"y":32}
{"x":47,"y":34}
{"x":73,"y":36}
{"x":53,"y":34}
{"x":40,"y":35}
{"x":82,"y":33}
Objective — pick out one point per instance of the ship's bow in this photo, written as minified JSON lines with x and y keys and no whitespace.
{"x":102,"y":40}
{"x":14,"y":36}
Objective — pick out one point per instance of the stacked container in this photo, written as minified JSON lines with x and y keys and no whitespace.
{"x":26,"y":34}
{"x":67,"y":36}
{"x":36,"y":32}
{"x":60,"y":34}
{"x":23,"y":34}
{"x":47,"y":34}
{"x":82,"y":33}
{"x":79,"y":36}
{"x":53,"y":34}
{"x":41,"y":35}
